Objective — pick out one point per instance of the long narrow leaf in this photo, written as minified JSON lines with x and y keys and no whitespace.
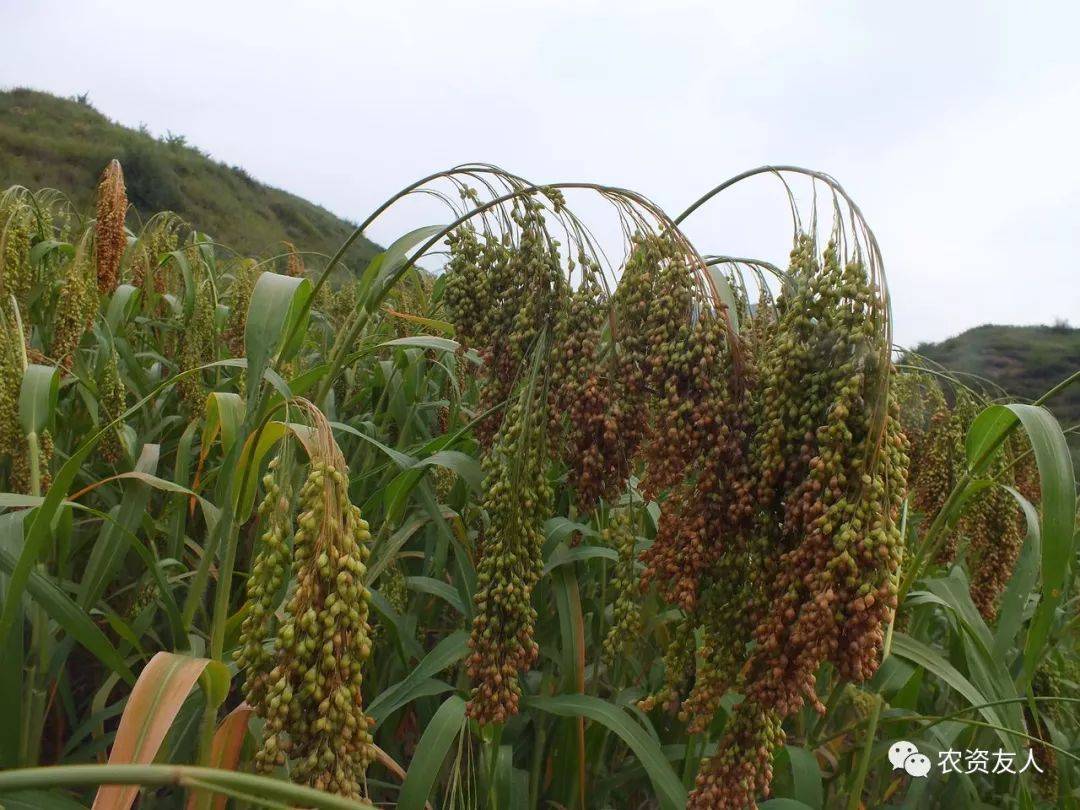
{"x":447,"y":652}
{"x":668,"y":787}
{"x":226,"y":747}
{"x":924,"y":656}
{"x":431,"y":751}
{"x":229,"y":783}
{"x":162,"y":687}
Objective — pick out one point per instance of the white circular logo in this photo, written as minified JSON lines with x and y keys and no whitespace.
{"x":899,"y":752}
{"x":917,"y":765}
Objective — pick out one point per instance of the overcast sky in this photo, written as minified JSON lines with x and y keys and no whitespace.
{"x":954,"y":125}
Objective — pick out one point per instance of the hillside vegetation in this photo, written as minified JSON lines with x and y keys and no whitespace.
{"x":51,"y":142}
{"x":1026,"y":361}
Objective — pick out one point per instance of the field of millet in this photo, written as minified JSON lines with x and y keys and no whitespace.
{"x":547,"y":528}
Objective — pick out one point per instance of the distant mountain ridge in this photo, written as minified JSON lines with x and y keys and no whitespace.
{"x":52,"y":142}
{"x":1026,"y":361}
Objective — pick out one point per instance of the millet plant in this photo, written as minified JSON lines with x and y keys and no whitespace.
{"x":550,"y":521}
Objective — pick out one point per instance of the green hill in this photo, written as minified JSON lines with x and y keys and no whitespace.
{"x":51,"y":142}
{"x":1026,"y":361}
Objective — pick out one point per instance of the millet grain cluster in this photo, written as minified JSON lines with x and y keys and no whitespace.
{"x":309,"y":688}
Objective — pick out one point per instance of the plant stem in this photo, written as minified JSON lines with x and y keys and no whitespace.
{"x":34,"y":721}
{"x":33,"y":718}
{"x":224,"y":588}
{"x":830,"y":704}
{"x":492,"y":750}
{"x":537,"y":764}
{"x":855,"y":798}
{"x":207,"y":726}
{"x":690,"y":760}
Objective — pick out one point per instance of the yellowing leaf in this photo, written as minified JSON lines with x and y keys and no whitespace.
{"x":160,"y":691}
{"x":225,"y":751}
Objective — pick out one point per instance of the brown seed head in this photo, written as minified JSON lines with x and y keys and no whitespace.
{"x":110,"y":236}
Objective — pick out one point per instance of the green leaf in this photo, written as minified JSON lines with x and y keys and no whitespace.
{"x":43,"y":516}
{"x":1025,"y":575}
{"x":225,"y":414}
{"x":425,"y":342}
{"x":402,"y":460}
{"x":986,"y":672}
{"x":563,"y":555}
{"x":39,"y":251}
{"x":1057,"y":499}
{"x":572,"y":630}
{"x":447,"y":652}
{"x":504,"y":767}
{"x":180,"y":257}
{"x":431,"y":751}
{"x":384,"y":553}
{"x":892,"y":676}
{"x":37,"y":397}
{"x":216,"y":681}
{"x":393,"y":262}
{"x":466,"y":573}
{"x":397,"y":492}
{"x":277,"y":303}
{"x":954,"y":593}
{"x":245,"y":476}
{"x":113,"y":540}
{"x":39,"y":800}
{"x":461,"y":463}
{"x":926,"y":657}
{"x":405,"y":632}
{"x":11,"y":657}
{"x":75,"y":621}
{"x":558,"y":529}
{"x":244,"y":786}
{"x":16,"y":500}
{"x":668,"y":787}
{"x":1057,"y":488}
{"x":436,"y":587}
{"x":987,"y":430}
{"x":122,"y":305}
{"x":805,"y":776}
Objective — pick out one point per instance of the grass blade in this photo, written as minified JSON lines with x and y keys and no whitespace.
{"x":159,"y":693}
{"x":229,"y":783}
{"x":447,"y":652}
{"x":1058,"y":501}
{"x":37,"y":397}
{"x":806,"y":784}
{"x":276,"y":303}
{"x":928,"y":658}
{"x":59,"y":606}
{"x":430,"y":754}
{"x":669,"y":788}
{"x":225,"y":752}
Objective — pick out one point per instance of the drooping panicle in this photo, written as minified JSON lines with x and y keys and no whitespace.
{"x":309,"y":689}
{"x":517,"y":501}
